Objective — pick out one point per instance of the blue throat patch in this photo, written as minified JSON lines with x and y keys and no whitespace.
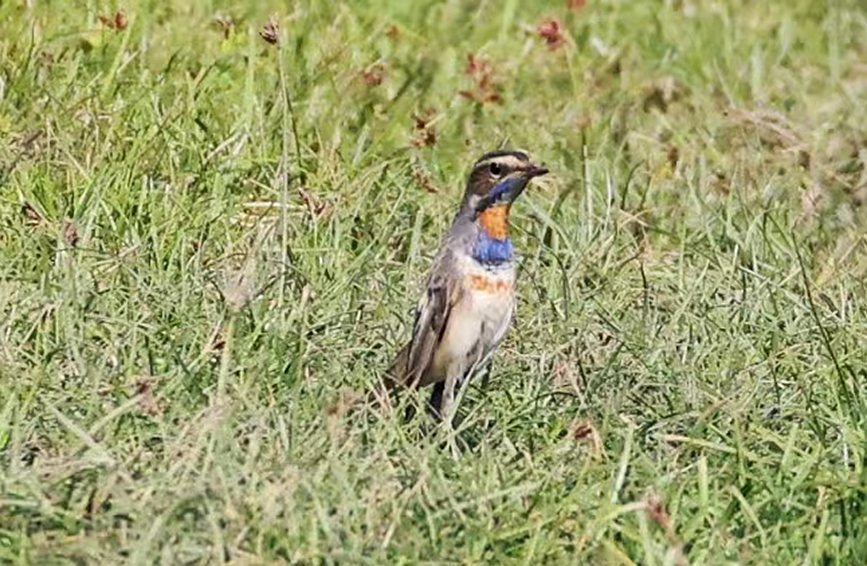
{"x":492,"y":251}
{"x":505,"y":186}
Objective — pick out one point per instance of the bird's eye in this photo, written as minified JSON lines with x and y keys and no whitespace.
{"x":496,"y":169}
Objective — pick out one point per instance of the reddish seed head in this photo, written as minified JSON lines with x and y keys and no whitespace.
{"x":373,"y":75}
{"x":552,"y":33}
{"x":485,"y":90}
{"x":477,"y":66}
{"x":70,"y":233}
{"x":120,"y":21}
{"x":116,"y":22}
{"x":425,"y":133}
{"x":582,"y":431}
{"x":270,"y":32}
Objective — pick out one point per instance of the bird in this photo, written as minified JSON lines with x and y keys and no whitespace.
{"x":468,"y":300}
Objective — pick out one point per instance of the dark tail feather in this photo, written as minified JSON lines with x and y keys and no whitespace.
{"x":396,"y":374}
{"x":392,"y":380}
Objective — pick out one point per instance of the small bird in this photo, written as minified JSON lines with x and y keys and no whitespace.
{"x":469,"y":297}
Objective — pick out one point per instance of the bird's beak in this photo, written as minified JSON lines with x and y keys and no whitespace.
{"x":535,"y":171}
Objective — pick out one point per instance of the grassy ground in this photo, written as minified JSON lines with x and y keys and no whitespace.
{"x":186,"y":331}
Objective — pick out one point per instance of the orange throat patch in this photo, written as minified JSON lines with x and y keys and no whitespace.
{"x":495,"y":221}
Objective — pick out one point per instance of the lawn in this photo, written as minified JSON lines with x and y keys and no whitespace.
{"x":215,"y":219}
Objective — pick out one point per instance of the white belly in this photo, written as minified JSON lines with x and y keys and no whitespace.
{"x":476,"y":323}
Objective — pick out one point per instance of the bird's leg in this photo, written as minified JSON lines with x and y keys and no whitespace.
{"x":448,"y":406}
{"x":486,"y":378}
{"x":435,"y":403}
{"x":447,"y":403}
{"x":479,"y":364}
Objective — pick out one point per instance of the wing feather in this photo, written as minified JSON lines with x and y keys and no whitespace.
{"x":431,"y":318}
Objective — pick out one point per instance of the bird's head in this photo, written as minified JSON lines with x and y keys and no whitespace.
{"x":497,"y":179}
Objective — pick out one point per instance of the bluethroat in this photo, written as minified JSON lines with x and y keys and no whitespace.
{"x":469,"y":297}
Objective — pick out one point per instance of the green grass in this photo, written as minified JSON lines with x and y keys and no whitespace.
{"x":181,"y":368}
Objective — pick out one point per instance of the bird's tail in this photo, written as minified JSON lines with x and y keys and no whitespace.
{"x":396,"y":374}
{"x":393,"y":380}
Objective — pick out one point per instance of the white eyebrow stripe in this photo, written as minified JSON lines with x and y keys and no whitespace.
{"x":507,"y":161}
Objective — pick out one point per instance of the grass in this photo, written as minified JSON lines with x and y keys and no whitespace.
{"x":211,"y":247}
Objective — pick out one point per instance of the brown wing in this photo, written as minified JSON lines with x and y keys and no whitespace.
{"x":431,"y":317}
